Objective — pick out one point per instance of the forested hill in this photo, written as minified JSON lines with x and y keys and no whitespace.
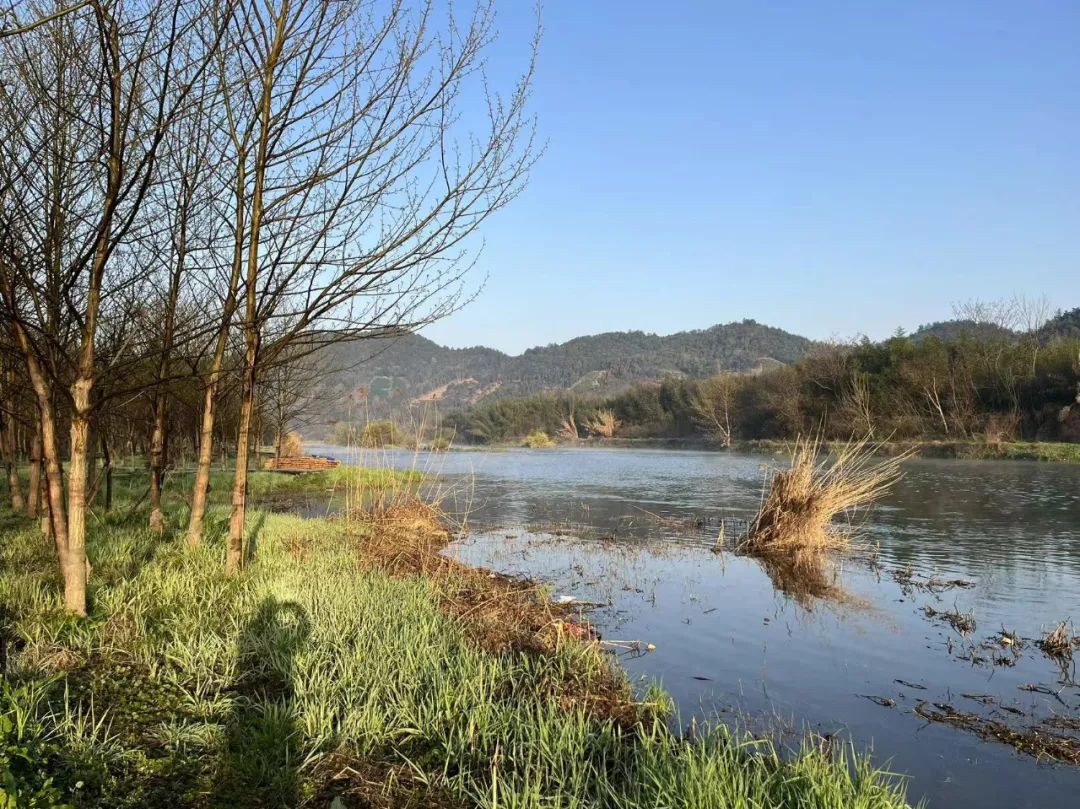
{"x":392,"y":373}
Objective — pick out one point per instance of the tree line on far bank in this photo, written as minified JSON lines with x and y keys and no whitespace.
{"x":197,"y":197}
{"x":979,"y":379}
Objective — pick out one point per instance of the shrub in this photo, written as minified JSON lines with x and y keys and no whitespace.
{"x":538,"y":440}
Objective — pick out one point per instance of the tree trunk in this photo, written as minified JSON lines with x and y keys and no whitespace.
{"x":201,"y":491}
{"x":234,"y":560}
{"x":202,"y":471}
{"x":54,"y":484}
{"x":10,"y":459}
{"x":157,"y":465}
{"x":33,"y":503}
{"x":106,"y":456}
{"x":54,"y":475}
{"x":78,"y":469}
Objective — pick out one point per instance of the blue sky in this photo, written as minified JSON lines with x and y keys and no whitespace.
{"x":832,"y":168}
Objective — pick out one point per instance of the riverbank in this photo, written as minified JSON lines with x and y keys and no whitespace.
{"x":1045,"y":451}
{"x":350,"y":664}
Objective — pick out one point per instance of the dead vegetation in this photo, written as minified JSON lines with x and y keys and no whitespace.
{"x":604,"y":424}
{"x":1060,"y":642}
{"x":800,"y":506}
{"x":809,"y":511}
{"x":962,"y":622}
{"x":910,"y":581}
{"x":1044,"y":740}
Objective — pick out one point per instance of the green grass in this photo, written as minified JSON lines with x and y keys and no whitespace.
{"x":1049,"y":451}
{"x":185,"y":688}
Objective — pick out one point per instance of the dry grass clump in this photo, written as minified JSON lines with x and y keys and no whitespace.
{"x":603,"y":424}
{"x":538,"y":439}
{"x":568,"y":431}
{"x":797,"y":518}
{"x":1060,"y":642}
{"x":292,"y":445}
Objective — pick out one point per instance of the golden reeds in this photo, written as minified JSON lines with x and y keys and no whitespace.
{"x":603,"y":424}
{"x":797,"y":519}
{"x":1059,"y":643}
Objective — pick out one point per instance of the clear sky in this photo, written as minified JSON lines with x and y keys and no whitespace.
{"x":832,"y":168}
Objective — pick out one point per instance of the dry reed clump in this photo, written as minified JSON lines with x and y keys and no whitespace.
{"x":568,"y":431}
{"x":1060,"y":642}
{"x":797,"y":519}
{"x":603,"y":424}
{"x":292,"y":445}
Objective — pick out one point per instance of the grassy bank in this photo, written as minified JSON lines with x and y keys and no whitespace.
{"x":348,"y":665}
{"x":1048,"y":451}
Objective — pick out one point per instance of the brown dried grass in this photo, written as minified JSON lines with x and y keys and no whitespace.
{"x":604,"y":424}
{"x":1060,"y":642}
{"x":798,"y":519}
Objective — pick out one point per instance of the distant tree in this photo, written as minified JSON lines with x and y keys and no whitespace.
{"x":713,"y":406}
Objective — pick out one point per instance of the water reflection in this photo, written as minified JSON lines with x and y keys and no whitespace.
{"x":733,"y":636}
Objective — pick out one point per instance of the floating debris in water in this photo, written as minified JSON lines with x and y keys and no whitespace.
{"x":884,"y":702}
{"x":1060,"y":642}
{"x":916,"y":686}
{"x":962,"y":622}
{"x":1040,"y":740}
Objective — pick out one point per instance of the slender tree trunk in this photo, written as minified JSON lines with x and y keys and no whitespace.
{"x":54,"y":482}
{"x":201,"y":491}
{"x":33,"y":502}
{"x":234,"y":560}
{"x":106,"y":455}
{"x":54,"y":476}
{"x":157,"y":465}
{"x":202,"y":471}
{"x":11,"y":460}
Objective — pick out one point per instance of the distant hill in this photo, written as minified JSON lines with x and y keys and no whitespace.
{"x":1063,"y":324}
{"x":382,"y":376}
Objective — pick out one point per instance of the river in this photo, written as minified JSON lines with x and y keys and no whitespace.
{"x":632,"y":529}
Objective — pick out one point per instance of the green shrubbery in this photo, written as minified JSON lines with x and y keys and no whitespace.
{"x":373,"y":434}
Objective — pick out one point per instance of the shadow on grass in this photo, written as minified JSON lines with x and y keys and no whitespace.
{"x":262,"y":745}
{"x":254,"y":530}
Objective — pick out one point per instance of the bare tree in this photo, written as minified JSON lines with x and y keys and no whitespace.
{"x":361,"y":184}
{"x":713,"y":405}
{"x":96,"y":94}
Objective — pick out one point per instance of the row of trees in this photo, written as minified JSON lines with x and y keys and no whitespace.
{"x":198,"y":196}
{"x":973,"y":383}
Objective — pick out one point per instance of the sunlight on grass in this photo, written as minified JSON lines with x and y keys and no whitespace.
{"x":184,"y":687}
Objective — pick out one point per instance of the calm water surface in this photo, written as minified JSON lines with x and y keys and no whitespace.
{"x":729,"y":644}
